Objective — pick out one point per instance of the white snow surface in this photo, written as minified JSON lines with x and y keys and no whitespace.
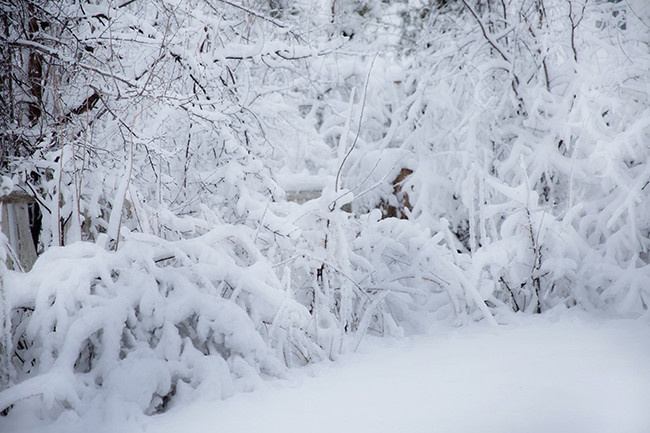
{"x":569,"y":373}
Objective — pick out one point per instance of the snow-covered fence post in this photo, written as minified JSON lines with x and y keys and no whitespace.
{"x":18,"y":219}
{"x":6,"y":345}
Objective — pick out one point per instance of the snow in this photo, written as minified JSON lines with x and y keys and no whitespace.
{"x":570,"y":373}
{"x":568,"y":376}
{"x":218,"y":258}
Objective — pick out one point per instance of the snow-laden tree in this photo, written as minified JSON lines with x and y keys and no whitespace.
{"x":525,"y":125}
{"x":162,"y":139}
{"x":171,"y":264}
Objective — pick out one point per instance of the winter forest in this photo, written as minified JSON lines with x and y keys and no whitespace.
{"x":202,"y":195}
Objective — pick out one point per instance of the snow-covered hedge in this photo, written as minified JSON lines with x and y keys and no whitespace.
{"x":526,"y":128}
{"x":157,"y":322}
{"x":512,"y":141}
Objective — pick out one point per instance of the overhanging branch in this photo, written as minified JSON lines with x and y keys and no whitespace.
{"x":60,"y":56}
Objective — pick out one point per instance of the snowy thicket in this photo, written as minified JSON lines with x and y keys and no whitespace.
{"x":472,"y":159}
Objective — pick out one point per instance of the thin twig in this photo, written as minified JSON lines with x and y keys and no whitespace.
{"x":487,"y":36}
{"x":58,"y":55}
{"x":248,"y":11}
{"x":500,"y":50}
{"x":128,"y":179}
{"x":356,"y":138}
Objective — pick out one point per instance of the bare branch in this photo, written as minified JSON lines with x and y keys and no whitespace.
{"x":574,"y":26}
{"x":126,"y":3}
{"x":491,"y":40}
{"x":248,"y":11}
{"x":487,"y":35}
{"x":23,"y":43}
{"x":356,"y":138}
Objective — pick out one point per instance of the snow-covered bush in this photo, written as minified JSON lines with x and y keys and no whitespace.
{"x":526,"y":128}
{"x":164,"y":137}
{"x":154,"y":320}
{"x":157,"y":322}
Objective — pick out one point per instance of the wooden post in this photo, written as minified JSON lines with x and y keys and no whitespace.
{"x":14,"y":217}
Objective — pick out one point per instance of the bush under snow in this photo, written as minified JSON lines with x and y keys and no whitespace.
{"x":172,"y":265}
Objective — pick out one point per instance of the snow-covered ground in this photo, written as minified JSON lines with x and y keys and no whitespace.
{"x":570,"y":374}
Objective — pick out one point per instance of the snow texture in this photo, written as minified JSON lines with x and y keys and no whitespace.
{"x":563,"y":375}
{"x":464,"y":162}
